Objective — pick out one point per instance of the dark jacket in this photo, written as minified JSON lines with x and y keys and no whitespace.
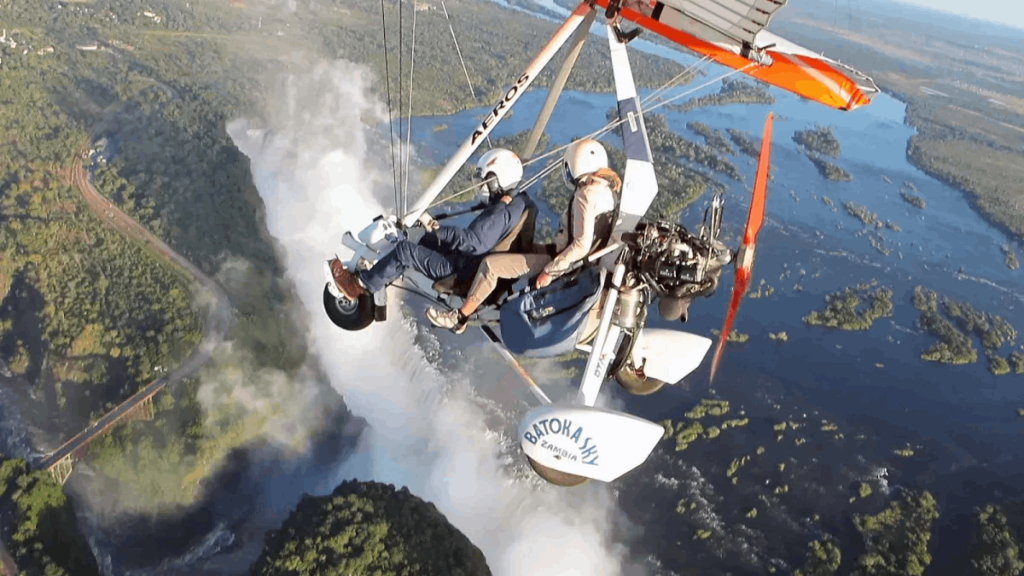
{"x":486,"y":230}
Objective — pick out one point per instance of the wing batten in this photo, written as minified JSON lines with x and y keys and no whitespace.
{"x":737,"y":21}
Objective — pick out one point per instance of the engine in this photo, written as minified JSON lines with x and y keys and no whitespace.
{"x":674,"y":262}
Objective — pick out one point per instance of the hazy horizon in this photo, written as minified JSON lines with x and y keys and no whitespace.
{"x":990,"y":11}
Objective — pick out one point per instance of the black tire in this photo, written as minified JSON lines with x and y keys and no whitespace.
{"x":555,"y":477}
{"x":346,"y":314}
{"x":636,"y":384}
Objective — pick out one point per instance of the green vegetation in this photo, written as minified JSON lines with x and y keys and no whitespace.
{"x":996,"y":550}
{"x":368,"y":528}
{"x":841,"y":310}
{"x":745,"y":142}
{"x":687,"y":435}
{"x":79,"y":304}
{"x":1017,"y":359}
{"x":736,"y":464}
{"x":955,"y":345}
{"x":1010,"y":256}
{"x":823,"y":558}
{"x":714,"y":138}
{"x":997,"y":364}
{"x":830,"y":171}
{"x":733,"y":91}
{"x":861,"y":212}
{"x":817,"y":143}
{"x":685,"y":506}
{"x":779,"y":337}
{"x":709,"y":407}
{"x":763,"y":291}
{"x":818,"y":140}
{"x":702,"y":534}
{"x":864,"y":490}
{"x":734,"y":336}
{"x":912,"y":199}
{"x":904,"y":452}
{"x":896,"y":539}
{"x":40,"y":528}
{"x":670,"y":144}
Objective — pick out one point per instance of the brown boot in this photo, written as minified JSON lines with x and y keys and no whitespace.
{"x":346,"y":281}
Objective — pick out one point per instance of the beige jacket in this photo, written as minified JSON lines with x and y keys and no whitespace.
{"x":591,"y":199}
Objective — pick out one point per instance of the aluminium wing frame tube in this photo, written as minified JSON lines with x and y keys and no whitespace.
{"x":558,"y":39}
{"x":597,"y":364}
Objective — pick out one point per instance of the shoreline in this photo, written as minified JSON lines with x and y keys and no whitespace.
{"x":971,"y":197}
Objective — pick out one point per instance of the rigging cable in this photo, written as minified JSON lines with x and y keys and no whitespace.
{"x":598,"y":134}
{"x":401,"y":72}
{"x":465,"y":71}
{"x":408,"y":127}
{"x":391,"y":121}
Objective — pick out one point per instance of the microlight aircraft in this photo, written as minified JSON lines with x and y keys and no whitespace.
{"x":603,"y":305}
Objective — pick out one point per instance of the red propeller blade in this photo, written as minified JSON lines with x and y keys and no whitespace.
{"x":745,"y":256}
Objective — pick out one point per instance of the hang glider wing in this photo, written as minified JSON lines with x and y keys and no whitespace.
{"x":732,"y":33}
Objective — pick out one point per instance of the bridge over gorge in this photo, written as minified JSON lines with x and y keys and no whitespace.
{"x":138,"y":407}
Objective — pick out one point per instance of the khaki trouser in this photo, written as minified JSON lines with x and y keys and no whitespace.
{"x":497,"y":266}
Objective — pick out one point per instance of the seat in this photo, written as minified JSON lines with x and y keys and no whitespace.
{"x":519,"y":240}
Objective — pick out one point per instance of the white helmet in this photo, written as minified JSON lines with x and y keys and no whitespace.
{"x":501,"y":169}
{"x":581,"y":158}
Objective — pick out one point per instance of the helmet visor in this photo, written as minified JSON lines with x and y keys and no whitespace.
{"x":567,"y":175}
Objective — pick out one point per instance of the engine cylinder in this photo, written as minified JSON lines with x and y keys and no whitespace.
{"x":627,"y":308}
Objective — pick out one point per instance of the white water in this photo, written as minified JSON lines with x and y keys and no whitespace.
{"x":320,"y":172}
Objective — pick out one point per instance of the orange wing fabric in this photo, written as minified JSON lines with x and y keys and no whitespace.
{"x":697,"y":26}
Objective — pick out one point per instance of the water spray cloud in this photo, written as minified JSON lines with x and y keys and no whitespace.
{"x":321,"y":170}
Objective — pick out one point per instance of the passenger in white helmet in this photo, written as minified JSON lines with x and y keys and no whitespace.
{"x":585,"y":226}
{"x":445,"y":250}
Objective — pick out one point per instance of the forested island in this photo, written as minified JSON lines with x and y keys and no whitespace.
{"x":854,"y":308}
{"x":732,"y":91}
{"x":713,"y":137}
{"x":817,"y":143}
{"x":912,"y":199}
{"x":955,"y":345}
{"x":744,"y":141}
{"x":368,"y":529}
{"x":40,"y":529}
{"x":1010,"y":257}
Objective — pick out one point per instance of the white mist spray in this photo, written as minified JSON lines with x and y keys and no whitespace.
{"x":316,"y":173}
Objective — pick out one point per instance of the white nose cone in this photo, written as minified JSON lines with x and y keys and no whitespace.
{"x":585,"y":441}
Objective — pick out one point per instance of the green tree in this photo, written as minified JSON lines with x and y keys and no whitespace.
{"x":996,"y":550}
{"x":368,"y":528}
{"x":43,"y":534}
{"x":896,"y":539}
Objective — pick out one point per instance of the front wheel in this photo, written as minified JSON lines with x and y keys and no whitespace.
{"x":555,"y":477}
{"x":636,"y":382}
{"x":347,"y":314}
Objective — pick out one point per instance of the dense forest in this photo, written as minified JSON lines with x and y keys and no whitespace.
{"x":367,"y":529}
{"x":39,"y":526}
